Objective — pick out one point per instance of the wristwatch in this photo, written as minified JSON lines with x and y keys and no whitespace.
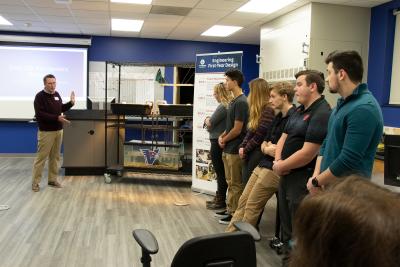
{"x":314,"y":182}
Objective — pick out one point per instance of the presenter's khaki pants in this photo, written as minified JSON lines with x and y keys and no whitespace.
{"x":233,"y":175}
{"x":49,"y":145}
{"x":262,"y":185}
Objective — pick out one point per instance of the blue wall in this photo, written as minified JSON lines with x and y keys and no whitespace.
{"x":380,"y":59}
{"x":140,"y":50}
{"x":20,"y":137}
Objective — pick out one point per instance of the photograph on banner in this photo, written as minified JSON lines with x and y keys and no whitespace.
{"x":210,"y":71}
{"x":204,"y":166}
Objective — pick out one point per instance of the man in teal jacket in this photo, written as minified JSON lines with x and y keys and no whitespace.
{"x":355,"y":125}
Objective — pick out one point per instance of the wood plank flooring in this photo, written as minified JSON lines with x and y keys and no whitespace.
{"x":90,"y":223}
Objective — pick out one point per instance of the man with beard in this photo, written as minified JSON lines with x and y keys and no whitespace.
{"x":355,"y":125}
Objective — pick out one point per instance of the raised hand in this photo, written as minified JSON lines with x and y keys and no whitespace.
{"x":72,"y":98}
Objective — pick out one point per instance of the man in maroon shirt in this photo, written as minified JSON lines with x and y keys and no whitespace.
{"x":48,"y":112}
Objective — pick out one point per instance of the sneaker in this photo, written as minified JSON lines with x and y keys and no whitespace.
{"x":216,"y":206}
{"x":35,"y":187}
{"x":221,"y":214}
{"x":226,"y":220}
{"x":54,"y":184}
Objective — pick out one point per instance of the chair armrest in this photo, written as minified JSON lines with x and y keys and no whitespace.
{"x":146,"y":240}
{"x":246,"y":227}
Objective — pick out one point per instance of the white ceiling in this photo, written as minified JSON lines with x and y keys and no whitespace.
{"x":93,"y":17}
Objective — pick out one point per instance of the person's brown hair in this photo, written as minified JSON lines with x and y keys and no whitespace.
{"x":258,"y":99}
{"x":353,"y":223}
{"x":48,"y":76}
{"x":313,"y":76}
{"x":284,"y":88}
{"x":224,"y":95}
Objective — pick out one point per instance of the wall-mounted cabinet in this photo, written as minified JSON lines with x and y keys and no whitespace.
{"x":303,"y":38}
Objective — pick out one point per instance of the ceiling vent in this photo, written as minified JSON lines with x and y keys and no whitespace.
{"x":66,"y":2}
{"x":170,"y":10}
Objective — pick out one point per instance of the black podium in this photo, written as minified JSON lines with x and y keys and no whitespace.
{"x":392,"y":160}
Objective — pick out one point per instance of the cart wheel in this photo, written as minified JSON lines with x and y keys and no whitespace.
{"x":119,"y":173}
{"x":107,"y":178}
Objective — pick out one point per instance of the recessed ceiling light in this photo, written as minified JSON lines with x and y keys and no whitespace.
{"x":221,"y":31}
{"x":264,"y":6}
{"x":126,"y":25}
{"x":3,"y":21}
{"x":140,"y":2}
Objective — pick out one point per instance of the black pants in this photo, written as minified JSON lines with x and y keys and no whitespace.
{"x":250,"y":163}
{"x":216,"y":159}
{"x":292,"y":189}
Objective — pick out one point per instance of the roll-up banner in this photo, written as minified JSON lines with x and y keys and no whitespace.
{"x":210,"y":69}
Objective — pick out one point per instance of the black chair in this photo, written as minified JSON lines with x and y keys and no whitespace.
{"x":235,"y":249}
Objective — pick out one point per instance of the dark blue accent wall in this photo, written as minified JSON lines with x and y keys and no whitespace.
{"x":141,"y":50}
{"x":20,"y":137}
{"x":380,"y":59}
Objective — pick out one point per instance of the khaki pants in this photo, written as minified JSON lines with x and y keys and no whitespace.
{"x":233,"y":175}
{"x":262,"y":185}
{"x":49,"y":145}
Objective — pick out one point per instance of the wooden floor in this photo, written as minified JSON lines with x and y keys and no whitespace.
{"x":90,"y":223}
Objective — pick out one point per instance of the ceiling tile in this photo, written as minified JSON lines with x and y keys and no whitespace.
{"x":93,"y":17}
{"x":21,"y":17}
{"x":124,"y":34}
{"x":51,"y":11}
{"x":45,"y":4}
{"x":38,"y":29}
{"x":127,"y":15}
{"x":96,"y":29}
{"x":7,"y":27}
{"x":130,"y":8}
{"x":156,"y":35}
{"x":175,"y":3}
{"x":98,"y":21}
{"x":164,"y":28}
{"x":90,"y":14}
{"x":14,"y":9}
{"x":12,"y":2}
{"x":85,"y":5}
{"x":58,"y":19}
{"x":198,"y":21}
{"x":208,"y":13}
{"x":228,"y":5}
{"x":157,"y":18}
{"x":69,"y":30}
{"x":32,"y":24}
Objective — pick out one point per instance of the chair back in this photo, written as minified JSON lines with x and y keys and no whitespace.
{"x":235,"y":249}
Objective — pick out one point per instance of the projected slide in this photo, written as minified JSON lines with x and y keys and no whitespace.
{"x":22,"y":71}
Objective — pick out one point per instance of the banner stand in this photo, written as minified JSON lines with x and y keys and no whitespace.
{"x":210,"y":70}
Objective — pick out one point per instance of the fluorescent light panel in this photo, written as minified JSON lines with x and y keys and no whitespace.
{"x":221,"y":31}
{"x":3,"y":21}
{"x":140,"y":2}
{"x":126,"y":25}
{"x":264,"y":6}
